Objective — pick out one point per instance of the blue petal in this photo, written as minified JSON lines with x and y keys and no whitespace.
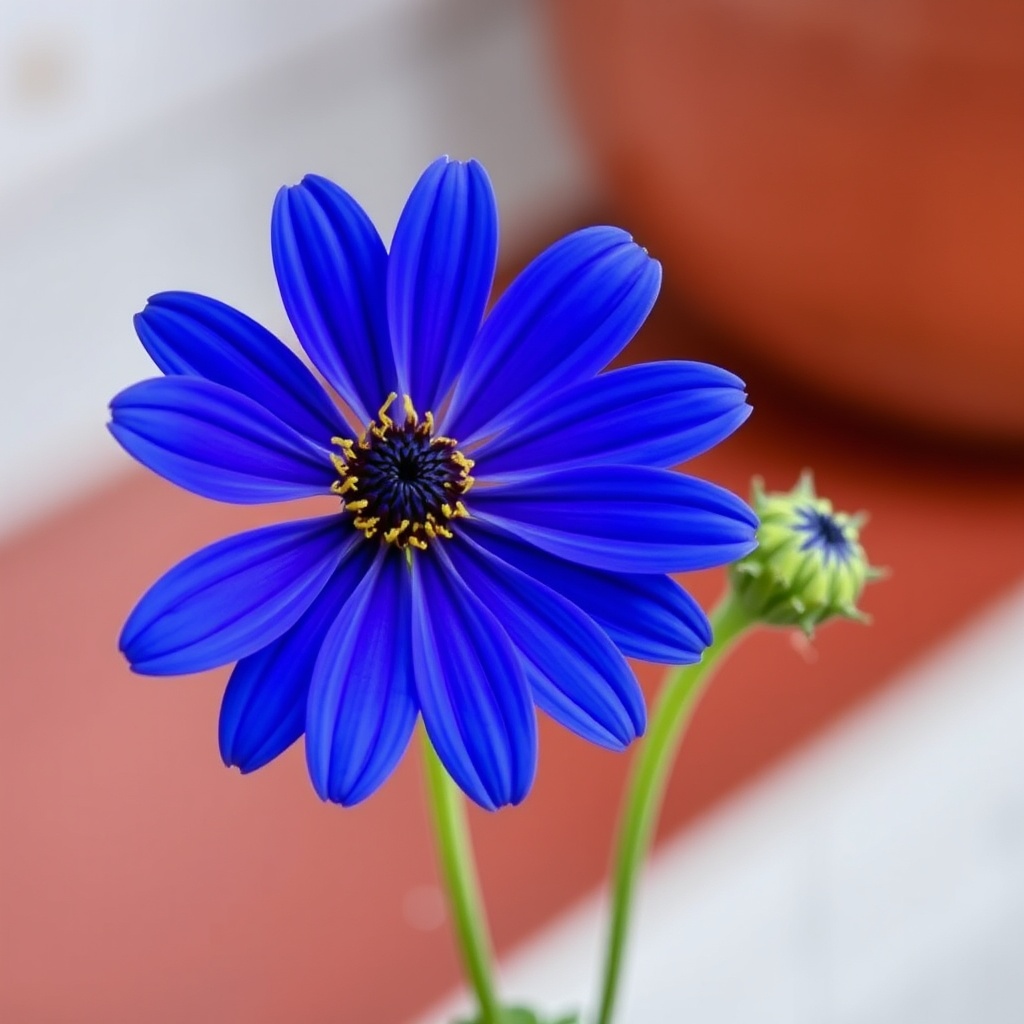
{"x":216,"y":442}
{"x":234,"y":597}
{"x":439,"y":276}
{"x":576,"y":674}
{"x":569,"y":313}
{"x":475,"y":702}
{"x":264,"y":707}
{"x":657,"y":414}
{"x":332,"y":271}
{"x":647,"y":616}
{"x":362,"y":707}
{"x":200,"y":337}
{"x":624,"y":518}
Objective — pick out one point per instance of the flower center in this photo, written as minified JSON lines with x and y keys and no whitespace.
{"x":824,"y":532}
{"x":402,"y":481}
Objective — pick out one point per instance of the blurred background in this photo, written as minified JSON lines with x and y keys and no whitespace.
{"x":834,"y":188}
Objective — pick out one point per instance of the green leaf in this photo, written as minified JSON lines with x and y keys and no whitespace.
{"x":523,"y":1015}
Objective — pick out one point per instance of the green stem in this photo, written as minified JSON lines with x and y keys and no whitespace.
{"x":676,"y":702}
{"x":455,"y":851}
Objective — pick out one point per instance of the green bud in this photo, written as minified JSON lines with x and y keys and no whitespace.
{"x":808,"y":566}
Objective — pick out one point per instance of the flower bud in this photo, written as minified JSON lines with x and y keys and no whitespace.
{"x":808,"y":566}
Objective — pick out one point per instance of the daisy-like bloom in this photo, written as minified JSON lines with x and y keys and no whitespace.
{"x":502,"y":523}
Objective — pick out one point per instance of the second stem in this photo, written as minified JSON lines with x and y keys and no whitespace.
{"x":651,"y":770}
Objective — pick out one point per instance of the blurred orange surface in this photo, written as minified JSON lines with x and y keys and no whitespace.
{"x":836,"y":183}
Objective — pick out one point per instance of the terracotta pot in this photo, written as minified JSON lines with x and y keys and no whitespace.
{"x":836,"y":183}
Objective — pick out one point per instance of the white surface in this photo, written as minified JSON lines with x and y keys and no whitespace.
{"x":169,"y":160}
{"x":79,"y":73}
{"x":876,"y":878}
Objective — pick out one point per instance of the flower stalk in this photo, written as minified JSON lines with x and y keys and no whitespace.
{"x":809,"y":567}
{"x":655,"y":756}
{"x":455,"y":852}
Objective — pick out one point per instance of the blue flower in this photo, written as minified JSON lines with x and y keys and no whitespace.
{"x":503,"y":519}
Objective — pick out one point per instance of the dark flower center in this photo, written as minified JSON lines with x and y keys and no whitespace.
{"x":824,"y":532}
{"x":401,"y":481}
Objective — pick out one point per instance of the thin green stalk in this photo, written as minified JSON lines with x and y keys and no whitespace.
{"x":455,"y":851}
{"x":676,"y":702}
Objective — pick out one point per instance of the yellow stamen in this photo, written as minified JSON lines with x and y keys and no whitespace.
{"x":382,"y":413}
{"x":411,"y":416}
{"x":426,"y":428}
{"x":356,"y":506}
{"x":367,"y":525}
{"x":395,"y":532}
